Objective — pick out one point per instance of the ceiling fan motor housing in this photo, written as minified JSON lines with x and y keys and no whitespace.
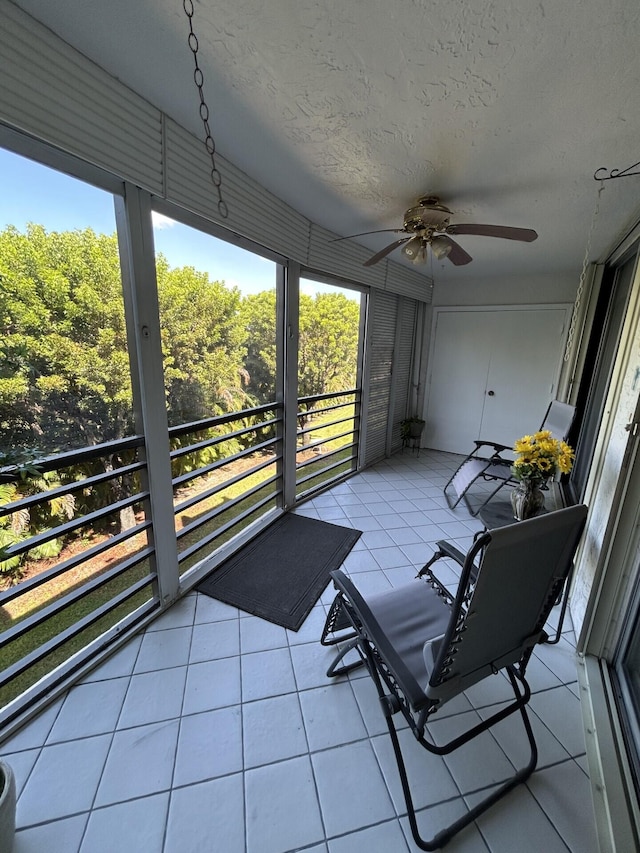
{"x":428,"y":214}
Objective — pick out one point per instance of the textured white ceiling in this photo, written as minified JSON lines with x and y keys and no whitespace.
{"x":350,"y":109}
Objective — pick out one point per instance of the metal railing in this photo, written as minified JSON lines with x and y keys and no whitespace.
{"x":81,"y":592}
{"x":333,"y":444}
{"x":252,"y":484}
{"x":103,"y":578}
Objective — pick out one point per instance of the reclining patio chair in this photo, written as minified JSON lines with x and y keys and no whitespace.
{"x":494,"y":467}
{"x":423,"y":646}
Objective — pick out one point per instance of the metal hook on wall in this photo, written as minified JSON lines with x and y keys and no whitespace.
{"x":616,"y":173}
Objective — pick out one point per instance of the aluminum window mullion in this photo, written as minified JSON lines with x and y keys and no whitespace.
{"x":290,"y":383}
{"x":135,"y":231}
{"x":363,"y":376}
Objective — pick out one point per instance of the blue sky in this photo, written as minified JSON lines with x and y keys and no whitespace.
{"x":30,"y":192}
{"x":33,"y":193}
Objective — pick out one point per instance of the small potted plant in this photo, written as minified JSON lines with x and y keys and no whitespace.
{"x":7,"y":807}
{"x":411,"y":428}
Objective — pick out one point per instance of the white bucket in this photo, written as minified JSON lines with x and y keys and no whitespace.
{"x":7,"y":808}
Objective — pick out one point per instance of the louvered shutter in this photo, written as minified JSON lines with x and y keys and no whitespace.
{"x":382,"y":326}
{"x":402,"y":369}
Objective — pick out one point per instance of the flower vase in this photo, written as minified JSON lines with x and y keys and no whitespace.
{"x":527,"y":499}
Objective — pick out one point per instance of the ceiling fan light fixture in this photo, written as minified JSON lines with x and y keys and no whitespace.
{"x":411,"y":248}
{"x":440,"y":247}
{"x":421,"y":255}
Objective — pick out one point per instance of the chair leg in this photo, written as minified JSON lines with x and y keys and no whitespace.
{"x":338,"y":621}
{"x":474,"y":510}
{"x":335,"y":670}
{"x":564,"y":597}
{"x":445,"y":835}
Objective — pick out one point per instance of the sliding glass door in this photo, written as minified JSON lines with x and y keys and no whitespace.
{"x":626,"y":676}
{"x":609,"y":318}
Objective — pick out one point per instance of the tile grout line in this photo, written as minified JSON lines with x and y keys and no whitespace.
{"x":180,"y":719}
{"x":112,"y":738}
{"x":309,"y":753}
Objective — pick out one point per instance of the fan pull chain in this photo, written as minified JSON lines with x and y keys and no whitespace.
{"x":198,"y":77}
{"x":583,"y":275}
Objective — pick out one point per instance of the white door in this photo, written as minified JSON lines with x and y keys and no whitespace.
{"x":492,"y":373}
{"x":458,"y":371}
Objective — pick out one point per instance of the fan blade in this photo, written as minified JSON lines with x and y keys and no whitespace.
{"x":525,"y":235}
{"x":364,"y":233}
{"x":386,"y":251}
{"x":457,"y":255}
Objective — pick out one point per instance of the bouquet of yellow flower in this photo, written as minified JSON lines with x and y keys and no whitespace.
{"x":540,"y":456}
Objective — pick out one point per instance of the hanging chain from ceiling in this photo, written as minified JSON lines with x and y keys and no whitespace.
{"x":583,"y":275}
{"x":198,"y":77}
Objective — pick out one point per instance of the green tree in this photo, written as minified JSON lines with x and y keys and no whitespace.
{"x":328,"y":343}
{"x":327,"y":346}
{"x":258,"y":314}
{"x":64,"y":369}
{"x":64,"y":366}
{"x":22,"y":524}
{"x":203,"y":344}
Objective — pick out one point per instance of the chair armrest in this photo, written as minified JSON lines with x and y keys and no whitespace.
{"x":446,"y":549}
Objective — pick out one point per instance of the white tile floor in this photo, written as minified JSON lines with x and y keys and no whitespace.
{"x":218,"y":731}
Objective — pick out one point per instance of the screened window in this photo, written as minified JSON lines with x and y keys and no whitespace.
{"x":64,"y":363}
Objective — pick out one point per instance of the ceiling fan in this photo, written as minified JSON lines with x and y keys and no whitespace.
{"x":426,"y":225}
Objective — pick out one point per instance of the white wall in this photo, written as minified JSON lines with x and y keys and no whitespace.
{"x":523,"y":290}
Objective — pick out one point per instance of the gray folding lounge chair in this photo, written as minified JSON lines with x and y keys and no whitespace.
{"x":423,"y":647}
{"x":493,"y":467}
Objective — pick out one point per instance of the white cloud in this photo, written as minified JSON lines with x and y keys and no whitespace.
{"x":161,"y":221}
